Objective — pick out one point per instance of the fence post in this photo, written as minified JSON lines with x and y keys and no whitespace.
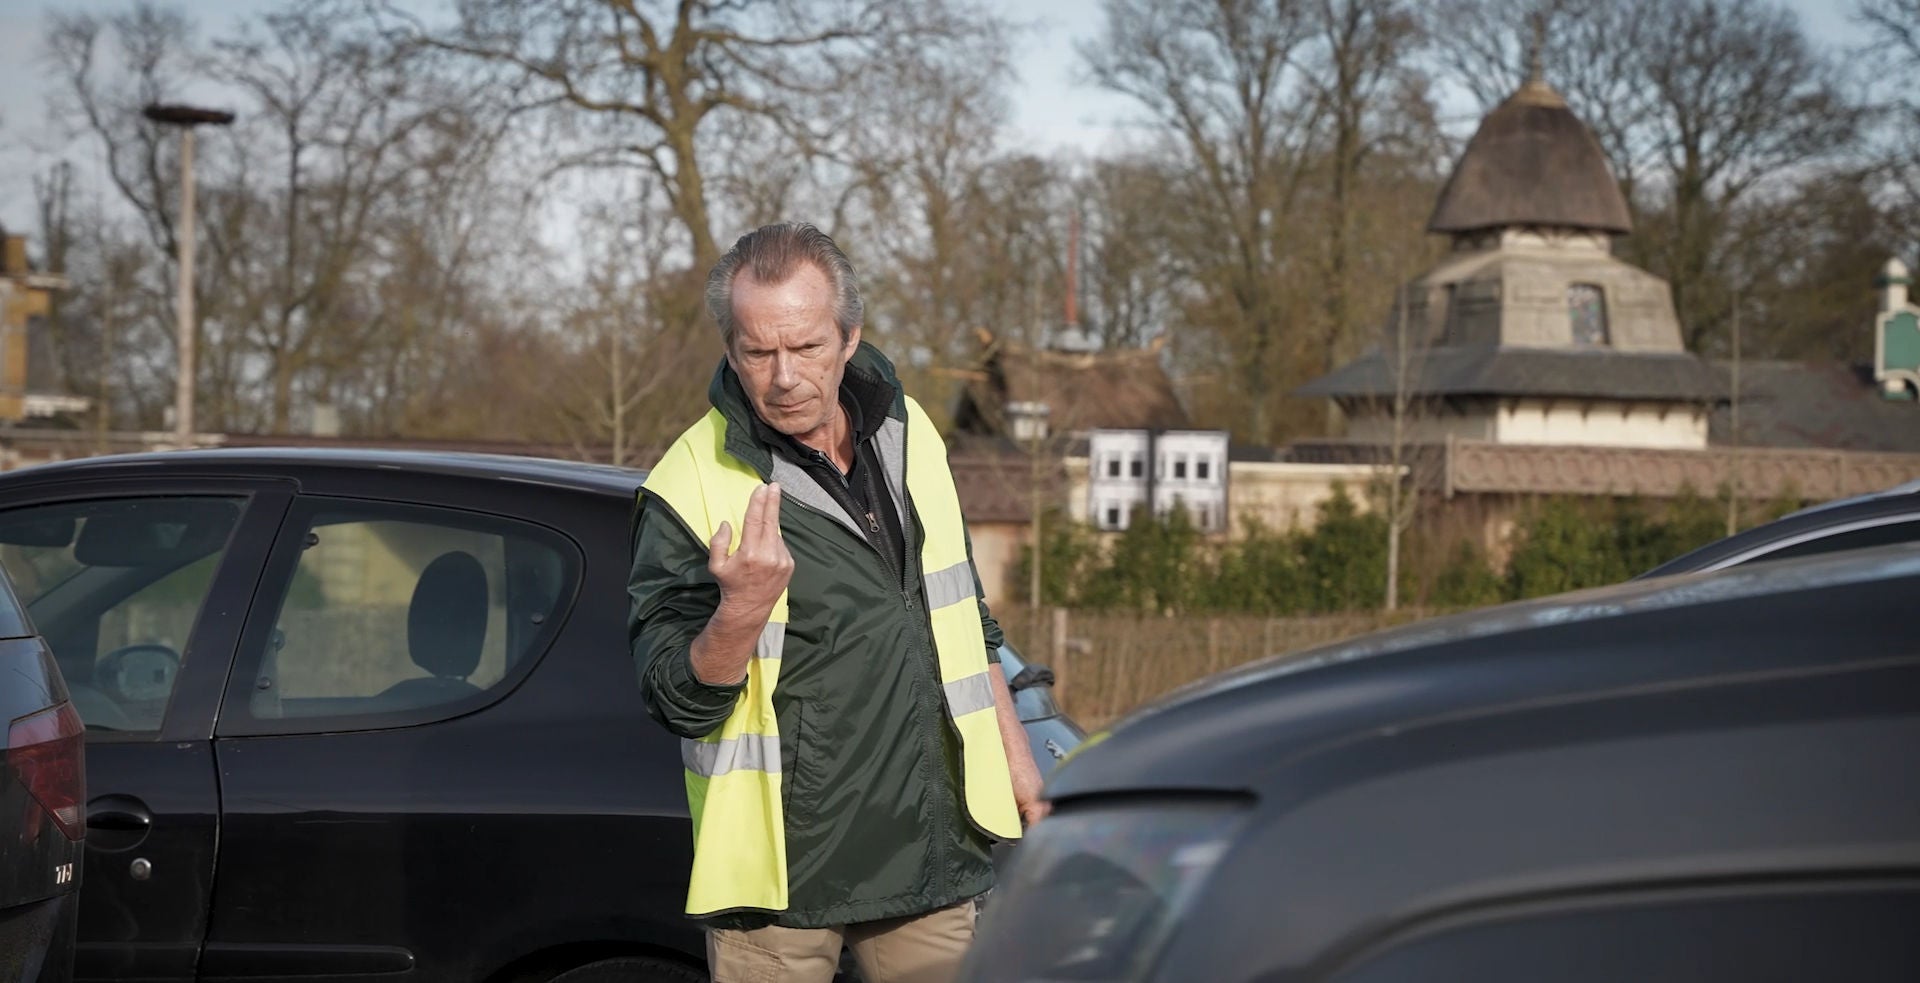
{"x":1061,"y":672}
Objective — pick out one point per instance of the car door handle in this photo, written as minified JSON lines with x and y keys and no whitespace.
{"x":119,"y":816}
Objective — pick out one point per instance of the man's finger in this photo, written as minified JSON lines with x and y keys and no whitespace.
{"x":717,"y":546}
{"x":770,"y":517}
{"x":762,"y":513}
{"x":756,"y":517}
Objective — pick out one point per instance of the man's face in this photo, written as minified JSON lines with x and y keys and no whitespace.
{"x":788,"y":353}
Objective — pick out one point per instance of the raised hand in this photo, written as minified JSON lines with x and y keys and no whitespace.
{"x":752,"y":577}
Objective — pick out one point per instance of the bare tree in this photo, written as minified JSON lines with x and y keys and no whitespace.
{"x":646,"y":85}
{"x":1362,"y":59}
{"x":622,"y":353}
{"x":917,"y":155}
{"x":1895,"y":29}
{"x":1131,"y":272}
{"x":147,"y":54}
{"x":1222,"y":78}
{"x":1284,"y":124}
{"x":346,"y":151}
{"x":1405,"y":352}
{"x":1743,"y":98}
{"x":63,"y":357}
{"x":339,"y":134}
{"x":1799,"y":257}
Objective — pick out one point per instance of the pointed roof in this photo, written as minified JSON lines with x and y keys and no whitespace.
{"x":1532,"y":163}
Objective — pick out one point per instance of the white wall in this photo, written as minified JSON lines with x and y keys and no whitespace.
{"x":1595,"y":422}
{"x":1604,"y":423}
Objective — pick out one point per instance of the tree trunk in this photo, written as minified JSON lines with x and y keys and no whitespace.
{"x":690,"y":198}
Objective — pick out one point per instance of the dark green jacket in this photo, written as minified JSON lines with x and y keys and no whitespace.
{"x":869,"y":765}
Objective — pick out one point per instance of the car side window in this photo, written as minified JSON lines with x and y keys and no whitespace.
{"x":395,"y":610}
{"x":1885,"y":534}
{"x":115,"y":587}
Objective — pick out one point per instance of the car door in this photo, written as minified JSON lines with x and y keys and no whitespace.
{"x":361,"y":828}
{"x":140,"y":591}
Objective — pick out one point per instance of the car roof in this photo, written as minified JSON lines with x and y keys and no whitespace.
{"x":1807,"y":523}
{"x":1218,"y":733}
{"x":277,"y":462}
{"x":1909,"y":488}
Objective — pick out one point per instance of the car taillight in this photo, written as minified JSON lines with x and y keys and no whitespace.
{"x":46,"y":750}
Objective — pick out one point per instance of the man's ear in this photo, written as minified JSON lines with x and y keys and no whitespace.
{"x":853,"y":344}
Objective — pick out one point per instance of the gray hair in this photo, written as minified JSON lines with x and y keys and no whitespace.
{"x":772,"y":253}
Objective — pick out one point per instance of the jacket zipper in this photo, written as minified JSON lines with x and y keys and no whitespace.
{"x":933,"y":706}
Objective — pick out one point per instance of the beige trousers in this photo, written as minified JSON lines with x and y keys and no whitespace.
{"x":919,"y":949}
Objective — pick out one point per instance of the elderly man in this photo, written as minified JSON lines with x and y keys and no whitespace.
{"x":806,"y":616}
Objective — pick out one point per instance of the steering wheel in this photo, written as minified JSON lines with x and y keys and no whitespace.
{"x":141,"y":673}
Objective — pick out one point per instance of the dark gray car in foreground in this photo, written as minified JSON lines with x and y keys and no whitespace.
{"x":1860,"y":522}
{"x":1700,"y":778}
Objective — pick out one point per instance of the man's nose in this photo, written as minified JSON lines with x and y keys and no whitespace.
{"x":785,"y":374}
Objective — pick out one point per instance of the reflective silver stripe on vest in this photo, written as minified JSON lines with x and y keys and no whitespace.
{"x":949,"y":586}
{"x":891,"y":439}
{"x":971,"y":694}
{"x":748,"y":752}
{"x":772,"y":641}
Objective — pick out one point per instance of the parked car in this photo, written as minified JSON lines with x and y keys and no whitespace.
{"x":42,"y":786}
{"x":361,"y":715}
{"x":1050,"y":733}
{"x":1891,"y":516}
{"x":1703,"y":778}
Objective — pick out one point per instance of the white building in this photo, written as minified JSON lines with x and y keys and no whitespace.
{"x":1172,"y":468}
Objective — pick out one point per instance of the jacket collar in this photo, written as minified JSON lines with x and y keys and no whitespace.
{"x":869,"y":388}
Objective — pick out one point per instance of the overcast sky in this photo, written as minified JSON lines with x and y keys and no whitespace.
{"x":1052,"y":110}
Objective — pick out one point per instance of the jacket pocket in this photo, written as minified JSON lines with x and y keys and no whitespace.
{"x":802,"y":784}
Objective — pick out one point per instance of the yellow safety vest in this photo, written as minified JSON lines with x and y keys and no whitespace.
{"x":733,"y":774}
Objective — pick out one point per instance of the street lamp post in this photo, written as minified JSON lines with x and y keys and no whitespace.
{"x":186,"y":118}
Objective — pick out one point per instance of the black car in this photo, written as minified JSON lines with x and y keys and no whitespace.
{"x":1703,"y":778}
{"x":360,"y":716}
{"x":1891,"y":516}
{"x":42,"y":787}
